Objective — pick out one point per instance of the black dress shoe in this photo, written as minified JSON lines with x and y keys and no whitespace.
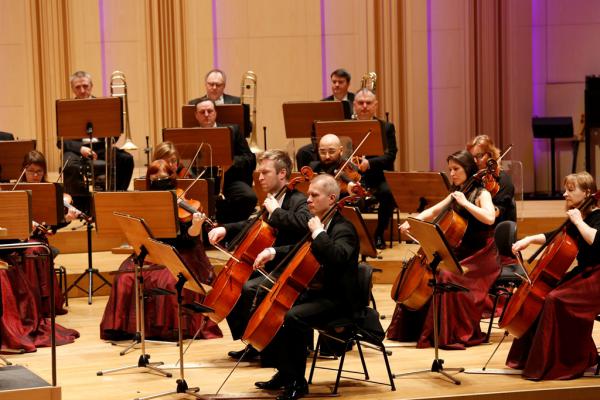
{"x":380,"y":243}
{"x":275,"y":383}
{"x":295,"y":390}
{"x":252,"y":354}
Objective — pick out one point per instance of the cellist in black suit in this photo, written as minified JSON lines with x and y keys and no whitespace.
{"x":288,"y":216}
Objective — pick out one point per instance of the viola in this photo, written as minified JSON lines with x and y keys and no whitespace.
{"x":227,"y":287}
{"x":559,"y":252}
{"x":300,"y":270}
{"x":411,"y":286}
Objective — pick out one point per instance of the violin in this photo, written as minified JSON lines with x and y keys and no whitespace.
{"x":258,"y":235}
{"x":490,"y":175}
{"x":186,"y":208}
{"x":560,"y":250}
{"x":302,"y":267}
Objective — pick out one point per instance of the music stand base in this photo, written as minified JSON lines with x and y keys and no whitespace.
{"x":137,"y":339}
{"x":143,"y":362}
{"x":437,"y":367}
{"x":182,"y":388}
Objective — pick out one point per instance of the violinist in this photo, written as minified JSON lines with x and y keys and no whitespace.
{"x":460,"y":312}
{"x":288,"y":215}
{"x":372,"y":166}
{"x":167,"y":151}
{"x":330,"y":160}
{"x":335,"y":245}
{"x":559,"y":344}
{"x":239,"y":200}
{"x":161,"y":311}
{"x":483,"y":149}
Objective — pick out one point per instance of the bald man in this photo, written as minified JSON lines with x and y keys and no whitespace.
{"x":330,"y":151}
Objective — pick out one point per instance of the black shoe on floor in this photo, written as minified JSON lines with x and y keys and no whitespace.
{"x":380,"y":243}
{"x":295,"y":390}
{"x":252,"y":354}
{"x":275,"y":383}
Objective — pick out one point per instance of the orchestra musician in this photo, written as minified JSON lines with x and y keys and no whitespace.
{"x":215,"y":81}
{"x":335,"y":245}
{"x":483,"y":149}
{"x":372,"y":166}
{"x":460,"y":312}
{"x":559,"y":344}
{"x":340,"y":85}
{"x":161,"y":311}
{"x":76,"y":152}
{"x":288,"y":215}
{"x":239,"y":199}
{"x":331,"y":160}
{"x":168,"y":152}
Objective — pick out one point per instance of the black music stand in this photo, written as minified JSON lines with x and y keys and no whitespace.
{"x":169,"y":257}
{"x":438,"y":253}
{"x":552,"y":128}
{"x":137,"y":232}
{"x":11,"y":162}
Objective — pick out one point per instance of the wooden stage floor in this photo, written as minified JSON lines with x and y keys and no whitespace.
{"x":79,"y":362}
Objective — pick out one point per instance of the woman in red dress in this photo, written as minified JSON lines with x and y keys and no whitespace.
{"x":559,"y":344}
{"x":459,"y":312}
{"x":119,"y":321}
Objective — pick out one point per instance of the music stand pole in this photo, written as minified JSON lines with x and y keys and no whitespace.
{"x":144,"y":360}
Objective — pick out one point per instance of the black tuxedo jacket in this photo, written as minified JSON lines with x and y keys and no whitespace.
{"x":350,"y":103}
{"x":227,"y":99}
{"x":384,"y":162}
{"x":6,"y":136}
{"x":244,"y":160}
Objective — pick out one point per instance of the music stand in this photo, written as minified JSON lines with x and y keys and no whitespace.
{"x":100,"y":117}
{"x":15,"y":224}
{"x":199,"y":191}
{"x":11,"y":162}
{"x":356,"y":131}
{"x":416,"y":191}
{"x":46,"y":200}
{"x":438,"y":253}
{"x":137,"y":232}
{"x":169,"y":257}
{"x":552,"y":128}
{"x":238,"y":114}
{"x":215,"y":151}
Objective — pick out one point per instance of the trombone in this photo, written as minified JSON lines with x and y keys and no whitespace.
{"x":118,"y":88}
{"x":369,"y":81}
{"x":249,"y":93}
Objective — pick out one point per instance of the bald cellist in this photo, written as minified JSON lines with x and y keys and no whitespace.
{"x":559,"y":344}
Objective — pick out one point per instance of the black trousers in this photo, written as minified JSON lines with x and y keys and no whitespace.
{"x":252,"y":295}
{"x":73,"y":173}
{"x":289,"y":347}
{"x":381,"y":191}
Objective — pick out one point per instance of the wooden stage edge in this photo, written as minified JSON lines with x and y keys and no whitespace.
{"x":39,"y":393}
{"x":78,"y":363}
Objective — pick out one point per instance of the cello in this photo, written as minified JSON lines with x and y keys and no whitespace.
{"x":525,"y":304}
{"x":411,"y":287}
{"x":302,"y":266}
{"x":258,"y":235}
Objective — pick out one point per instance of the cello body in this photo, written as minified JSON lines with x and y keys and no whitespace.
{"x":227,"y":287}
{"x":526,"y":302}
{"x":270,"y":314}
{"x":411,"y":288}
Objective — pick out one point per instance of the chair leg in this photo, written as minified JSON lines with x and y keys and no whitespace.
{"x":387,"y":366}
{"x":489,"y":330}
{"x":314,"y":360}
{"x":362,"y":359}
{"x":339,"y":374}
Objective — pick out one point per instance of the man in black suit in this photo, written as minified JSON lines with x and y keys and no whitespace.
{"x":215,"y":81}
{"x":288,"y":215}
{"x":332,"y":294}
{"x":77,"y":151}
{"x":239,"y":199}
{"x":365,"y":106}
{"x":340,"y":83}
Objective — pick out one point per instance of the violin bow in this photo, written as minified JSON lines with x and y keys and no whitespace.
{"x":193,"y":160}
{"x":352,"y":155}
{"x":19,"y":180}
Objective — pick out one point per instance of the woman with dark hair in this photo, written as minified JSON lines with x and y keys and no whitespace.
{"x":559,"y":345}
{"x":119,"y":322}
{"x":459,"y":312}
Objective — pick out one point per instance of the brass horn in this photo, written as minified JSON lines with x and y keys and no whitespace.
{"x":369,"y":81}
{"x":118,"y":88}
{"x":249,"y":93}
